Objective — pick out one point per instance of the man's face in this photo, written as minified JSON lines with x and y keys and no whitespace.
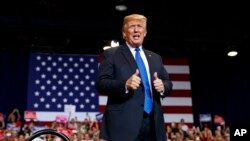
{"x":134,"y":32}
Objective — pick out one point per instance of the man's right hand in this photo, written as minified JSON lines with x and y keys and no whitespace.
{"x":134,"y":81}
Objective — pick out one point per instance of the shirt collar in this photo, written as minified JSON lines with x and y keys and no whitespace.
{"x":132,"y":48}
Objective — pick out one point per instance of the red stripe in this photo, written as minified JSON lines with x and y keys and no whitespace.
{"x":101,"y":108}
{"x":175,"y":61}
{"x":100,"y":58}
{"x":179,"y":77}
{"x":180,"y":93}
{"x":167,"y":109}
{"x":102,"y":94}
{"x":178,"y":109}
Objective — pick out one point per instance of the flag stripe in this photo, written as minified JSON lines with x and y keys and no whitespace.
{"x":178,"y":109}
{"x":177,"y":101}
{"x":181,"y":85}
{"x":175,"y":61}
{"x":180,"y":93}
{"x":179,"y":77}
{"x":169,"y":101}
{"x":102,"y":108}
{"x":177,"y":69}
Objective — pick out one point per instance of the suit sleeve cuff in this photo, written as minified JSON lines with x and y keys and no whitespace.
{"x":162,"y":92}
{"x":126,"y":90}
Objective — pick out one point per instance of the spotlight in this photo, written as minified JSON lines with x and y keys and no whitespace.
{"x":121,"y":6}
{"x":232,"y":51}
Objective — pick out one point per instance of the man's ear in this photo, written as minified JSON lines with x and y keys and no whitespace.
{"x":123,"y":35}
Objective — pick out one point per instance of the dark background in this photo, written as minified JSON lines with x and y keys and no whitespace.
{"x":201,"y":32}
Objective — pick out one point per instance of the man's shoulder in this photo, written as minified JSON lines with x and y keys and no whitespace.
{"x":110,"y":51}
{"x":113,"y":50}
{"x":151,"y":53}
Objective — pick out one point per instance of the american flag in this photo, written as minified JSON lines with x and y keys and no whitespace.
{"x":56,"y":80}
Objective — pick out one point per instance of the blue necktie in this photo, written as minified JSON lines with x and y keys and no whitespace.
{"x":145,"y":82}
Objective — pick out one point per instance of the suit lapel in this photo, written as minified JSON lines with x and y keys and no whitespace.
{"x":129,"y":57}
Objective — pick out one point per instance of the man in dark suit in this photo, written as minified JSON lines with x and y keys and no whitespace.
{"x":122,"y":79}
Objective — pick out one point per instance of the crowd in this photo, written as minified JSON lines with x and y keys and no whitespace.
{"x":15,"y":130}
{"x":88,"y":130}
{"x":181,"y":132}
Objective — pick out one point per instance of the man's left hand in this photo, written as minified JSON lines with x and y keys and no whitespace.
{"x":158,"y":84}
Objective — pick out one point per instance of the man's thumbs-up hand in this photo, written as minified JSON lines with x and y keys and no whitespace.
{"x":158,"y":84}
{"x":134,"y":81}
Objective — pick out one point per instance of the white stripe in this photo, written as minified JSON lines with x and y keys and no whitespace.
{"x":177,"y":69}
{"x":188,"y":118}
{"x":51,"y":116}
{"x":181,"y":85}
{"x":168,"y":101}
{"x":176,"y":101}
{"x":103,"y":100}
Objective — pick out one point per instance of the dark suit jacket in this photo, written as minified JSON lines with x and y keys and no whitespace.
{"x":124,"y":111}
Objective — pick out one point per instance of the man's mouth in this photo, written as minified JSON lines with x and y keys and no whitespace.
{"x":136,"y":36}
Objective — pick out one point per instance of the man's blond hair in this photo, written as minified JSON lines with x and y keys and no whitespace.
{"x":134,"y":17}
